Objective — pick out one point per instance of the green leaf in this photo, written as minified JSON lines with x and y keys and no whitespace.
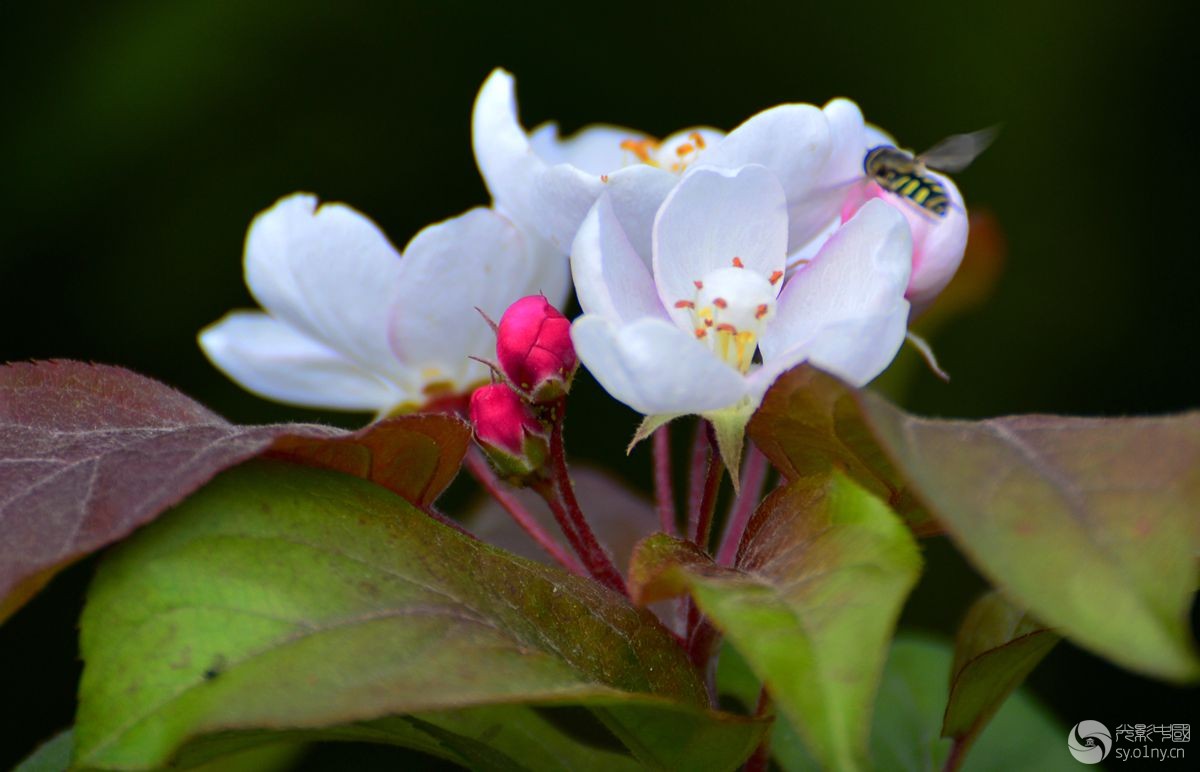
{"x":1088,"y":523}
{"x":997,"y":647}
{"x":54,"y":755}
{"x":811,"y":605}
{"x":297,"y":600}
{"x":908,"y":714}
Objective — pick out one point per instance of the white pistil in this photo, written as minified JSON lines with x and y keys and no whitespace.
{"x":729,"y":310}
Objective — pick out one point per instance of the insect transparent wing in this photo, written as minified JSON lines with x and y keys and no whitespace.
{"x":956,"y":152}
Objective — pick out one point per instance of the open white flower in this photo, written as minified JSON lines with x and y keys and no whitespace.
{"x":709,"y":321}
{"x":549,"y":183}
{"x":352,"y":324}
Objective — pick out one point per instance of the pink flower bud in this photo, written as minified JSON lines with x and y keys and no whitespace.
{"x":507,"y":430}
{"x":533,"y":344}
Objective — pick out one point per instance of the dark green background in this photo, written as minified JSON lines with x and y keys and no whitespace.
{"x":139,"y":138}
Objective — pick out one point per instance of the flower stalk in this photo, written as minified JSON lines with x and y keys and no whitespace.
{"x":487,"y":479}
{"x":664,"y":493}
{"x":560,"y":496}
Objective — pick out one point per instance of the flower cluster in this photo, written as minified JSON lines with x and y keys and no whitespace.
{"x":706,"y":264}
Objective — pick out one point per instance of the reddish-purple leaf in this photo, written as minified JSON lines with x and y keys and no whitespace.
{"x":810,"y":422}
{"x":1089,"y":523}
{"x":88,"y":453}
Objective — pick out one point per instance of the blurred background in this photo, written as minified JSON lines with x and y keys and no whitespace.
{"x":139,"y":138}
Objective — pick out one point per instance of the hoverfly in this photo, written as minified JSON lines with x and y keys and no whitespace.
{"x":899,"y":172}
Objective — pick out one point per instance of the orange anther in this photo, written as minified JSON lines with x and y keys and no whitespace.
{"x":701,"y":332}
{"x":720,"y":302}
{"x":696,"y":137}
{"x":761,"y":311}
{"x":726,"y":328}
{"x":737,"y":263}
{"x":639,"y":147}
{"x":684,"y":149}
{"x":775,"y":276}
{"x":684,"y":304}
{"x":699,"y":284}
{"x":604,"y":178}
{"x":708,"y":322}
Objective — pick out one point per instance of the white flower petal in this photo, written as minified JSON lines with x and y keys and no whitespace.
{"x":610,"y":278}
{"x":507,"y":161}
{"x":476,"y":260}
{"x":562,"y":196}
{"x":812,"y":212}
{"x":711,"y":217}
{"x":329,"y":272}
{"x":793,"y":141}
{"x":272,"y":360}
{"x":860,"y":274}
{"x":856,"y":350}
{"x":594,"y":149}
{"x":654,"y":367}
{"x":637,"y":192}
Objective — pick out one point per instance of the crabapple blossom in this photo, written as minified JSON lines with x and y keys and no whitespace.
{"x":713,"y":318}
{"x":550,"y":182}
{"x":350,"y":323}
{"x":533,"y":345}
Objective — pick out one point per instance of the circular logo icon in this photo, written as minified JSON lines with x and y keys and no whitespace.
{"x":1089,"y":742}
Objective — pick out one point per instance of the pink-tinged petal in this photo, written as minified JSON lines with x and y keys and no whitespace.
{"x":859,"y":275}
{"x":810,"y":214}
{"x":271,"y":359}
{"x":329,"y":272}
{"x":507,"y":161}
{"x":712,"y":217}
{"x":938,"y":242}
{"x":593,"y":149}
{"x":792,"y":141}
{"x":654,"y":367}
{"x":610,"y":278}
{"x":476,"y":260}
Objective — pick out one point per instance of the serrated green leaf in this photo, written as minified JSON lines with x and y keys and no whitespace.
{"x":297,"y":600}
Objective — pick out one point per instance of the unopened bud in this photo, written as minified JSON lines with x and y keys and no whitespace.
{"x":508,"y":431}
{"x":533,"y":344}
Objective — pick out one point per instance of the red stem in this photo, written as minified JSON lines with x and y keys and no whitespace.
{"x":708,"y":501}
{"x":664,"y":493}
{"x":590,"y":552}
{"x":480,"y":470}
{"x":753,"y":477}
{"x":761,"y":757}
{"x":700,"y":451}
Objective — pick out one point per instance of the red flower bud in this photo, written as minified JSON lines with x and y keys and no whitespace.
{"x":533,"y":344}
{"x":508,"y":431}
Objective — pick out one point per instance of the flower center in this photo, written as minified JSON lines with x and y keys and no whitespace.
{"x":729,"y":310}
{"x":673,"y":157}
